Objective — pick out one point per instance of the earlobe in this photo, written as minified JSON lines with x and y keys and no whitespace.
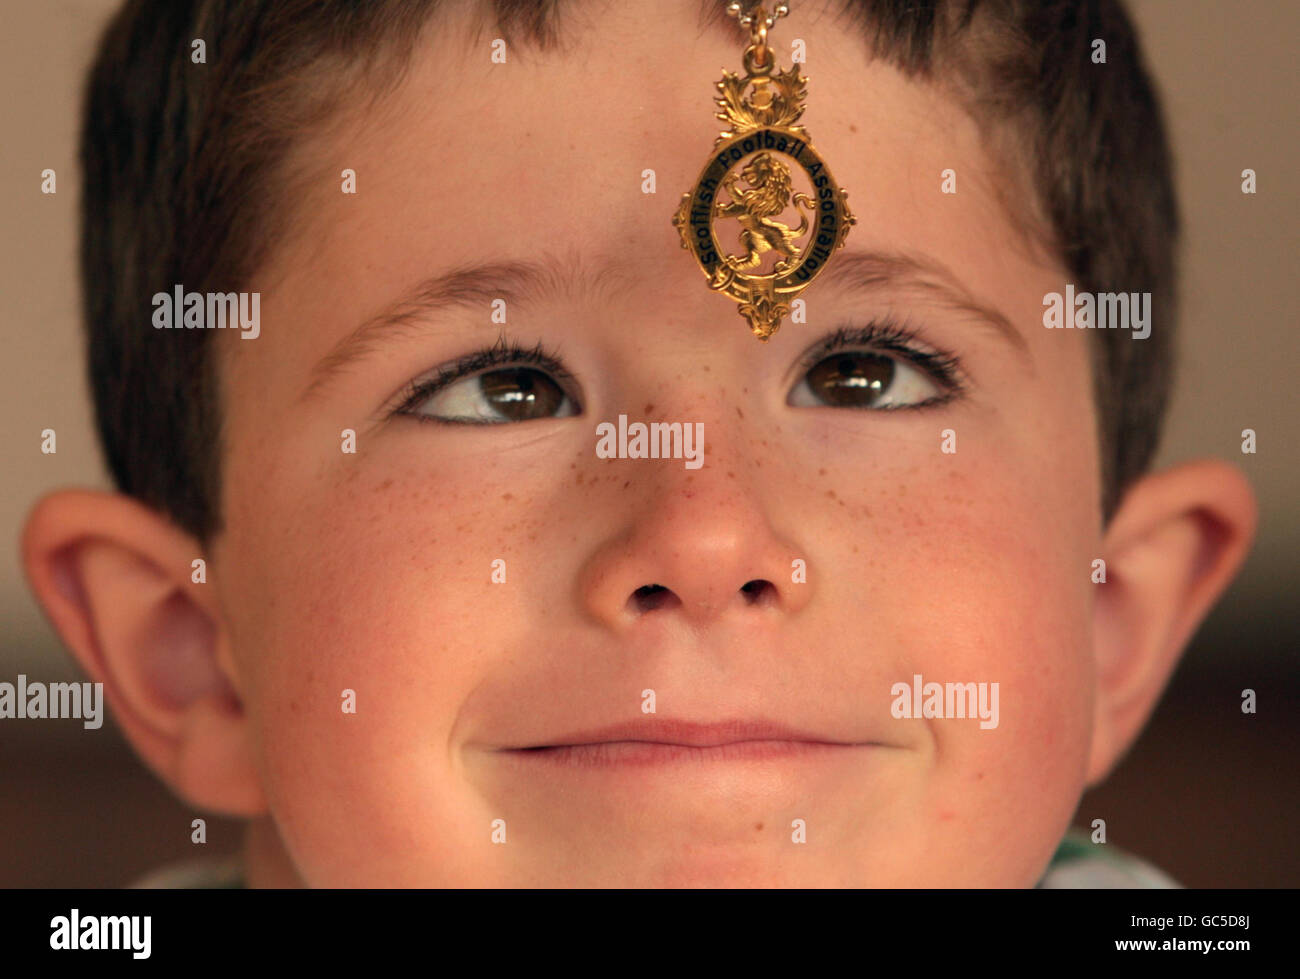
{"x":114,"y":578}
{"x":1175,"y":544}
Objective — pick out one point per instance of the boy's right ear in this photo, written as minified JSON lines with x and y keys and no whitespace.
{"x":115,"y":579}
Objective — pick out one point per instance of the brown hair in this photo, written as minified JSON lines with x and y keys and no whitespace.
{"x":186,"y":181}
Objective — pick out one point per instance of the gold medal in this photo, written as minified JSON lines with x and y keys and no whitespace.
{"x":762,"y":130}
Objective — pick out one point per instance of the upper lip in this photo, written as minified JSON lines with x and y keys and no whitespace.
{"x":701,"y":735}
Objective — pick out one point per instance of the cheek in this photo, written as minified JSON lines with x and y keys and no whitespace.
{"x":370,"y":587}
{"x":1012,"y":589}
{"x":976,"y":569}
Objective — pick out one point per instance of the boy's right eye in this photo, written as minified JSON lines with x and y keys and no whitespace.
{"x":494,"y":397}
{"x":498,"y":385}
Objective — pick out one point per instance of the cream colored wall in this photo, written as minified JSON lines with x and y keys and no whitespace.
{"x":1227,"y":73}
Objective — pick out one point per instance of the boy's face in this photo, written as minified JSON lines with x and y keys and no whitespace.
{"x":373,"y":571}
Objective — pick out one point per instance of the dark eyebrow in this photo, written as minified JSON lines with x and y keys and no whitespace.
{"x":852,"y":270}
{"x":519,"y":283}
{"x":472,"y":288}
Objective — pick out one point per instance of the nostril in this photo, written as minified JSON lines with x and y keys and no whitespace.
{"x":647,"y":598}
{"x":759,"y":592}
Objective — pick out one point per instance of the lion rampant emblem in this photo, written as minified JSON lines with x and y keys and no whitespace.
{"x":771,"y":112}
{"x":768,"y":195}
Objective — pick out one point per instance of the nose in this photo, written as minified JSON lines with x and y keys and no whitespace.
{"x":702,"y":546}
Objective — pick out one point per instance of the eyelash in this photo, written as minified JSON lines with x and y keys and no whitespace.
{"x":887,"y":336}
{"x":879,"y":336}
{"x":504,"y":352}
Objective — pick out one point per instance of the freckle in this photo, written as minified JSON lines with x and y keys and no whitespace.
{"x":739,"y":412}
{"x":507,"y":496}
{"x":649,"y":408}
{"x":855,"y":548}
{"x":573,"y":465}
{"x":578,"y":480}
{"x":385,"y":484}
{"x":758,"y":826}
{"x":821,"y":472}
{"x":731,"y":475}
{"x":831,"y":494}
{"x":842,"y":503}
{"x":979,"y":776}
{"x":852,"y":128}
{"x":627,"y":484}
{"x":706,"y":368}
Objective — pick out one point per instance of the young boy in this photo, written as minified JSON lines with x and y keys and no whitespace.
{"x":375,"y":580}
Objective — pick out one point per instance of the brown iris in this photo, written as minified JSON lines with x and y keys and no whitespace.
{"x":521,"y":394}
{"x":852,"y":379}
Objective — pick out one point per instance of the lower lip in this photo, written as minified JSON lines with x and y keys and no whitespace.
{"x":608,"y":754}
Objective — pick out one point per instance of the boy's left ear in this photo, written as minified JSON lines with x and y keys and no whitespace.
{"x":1172,"y":547}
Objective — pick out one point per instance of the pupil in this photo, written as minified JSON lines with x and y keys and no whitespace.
{"x":855,"y":380}
{"x":520,"y":393}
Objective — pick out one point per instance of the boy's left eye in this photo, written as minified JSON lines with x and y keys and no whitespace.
{"x":863,"y":379}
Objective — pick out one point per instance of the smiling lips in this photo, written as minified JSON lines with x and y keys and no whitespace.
{"x":655,"y":742}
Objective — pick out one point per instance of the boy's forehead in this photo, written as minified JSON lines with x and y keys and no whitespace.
{"x":586,"y":154}
{"x":577,"y":133}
